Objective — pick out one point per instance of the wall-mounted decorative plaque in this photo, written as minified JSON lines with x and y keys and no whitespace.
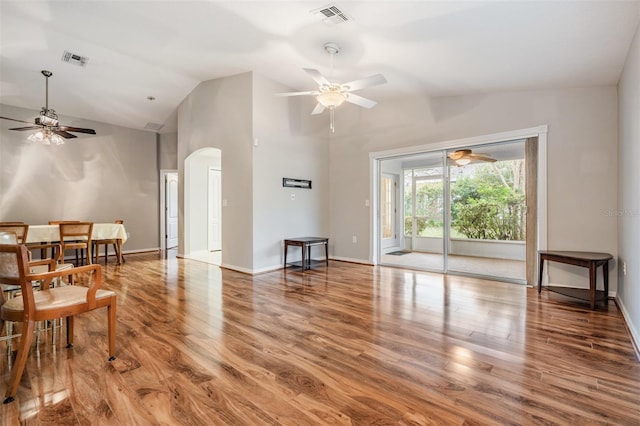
{"x":296,"y":183}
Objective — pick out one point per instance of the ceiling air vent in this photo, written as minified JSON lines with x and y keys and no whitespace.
{"x":153,"y":126}
{"x":331,"y":14}
{"x":73,"y":58}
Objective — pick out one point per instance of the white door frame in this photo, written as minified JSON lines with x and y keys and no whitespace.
{"x":214,"y":228}
{"x":163,"y":206}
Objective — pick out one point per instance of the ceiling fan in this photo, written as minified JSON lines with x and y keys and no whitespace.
{"x":462,"y":157}
{"x":48,"y":129}
{"x":331,"y":94}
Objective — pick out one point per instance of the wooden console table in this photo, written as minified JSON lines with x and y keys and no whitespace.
{"x":305,"y":244}
{"x":580,"y":258}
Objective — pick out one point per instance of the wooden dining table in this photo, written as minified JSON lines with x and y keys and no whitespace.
{"x":101,"y":231}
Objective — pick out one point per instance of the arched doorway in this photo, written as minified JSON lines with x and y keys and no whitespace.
{"x":202,"y":201}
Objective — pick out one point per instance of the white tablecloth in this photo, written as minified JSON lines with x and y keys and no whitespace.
{"x":51,"y":233}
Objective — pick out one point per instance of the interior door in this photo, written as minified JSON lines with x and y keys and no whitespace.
{"x":388,"y":211}
{"x":215,"y":211}
{"x":171,"y":210}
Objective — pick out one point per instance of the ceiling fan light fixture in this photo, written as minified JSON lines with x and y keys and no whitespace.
{"x":331,"y":99}
{"x":45,"y":137}
{"x":462,"y":161}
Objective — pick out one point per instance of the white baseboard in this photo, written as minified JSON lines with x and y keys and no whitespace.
{"x":635,"y":336}
{"x":351,"y":260}
{"x":237,"y":268}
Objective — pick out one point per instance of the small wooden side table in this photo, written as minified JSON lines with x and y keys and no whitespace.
{"x":580,"y":258}
{"x":305,"y":244}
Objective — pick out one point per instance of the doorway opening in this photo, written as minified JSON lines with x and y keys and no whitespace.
{"x":203,"y":201}
{"x":169,"y":209}
{"x":475,"y":218}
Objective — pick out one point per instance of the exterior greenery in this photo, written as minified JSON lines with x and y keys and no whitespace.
{"x":490,"y":204}
{"x":487,"y":202}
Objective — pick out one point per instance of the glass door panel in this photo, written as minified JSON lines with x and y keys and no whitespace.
{"x":488,"y":211}
{"x":421,"y":228}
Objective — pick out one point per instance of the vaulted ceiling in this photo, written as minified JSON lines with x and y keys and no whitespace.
{"x":163,"y":49}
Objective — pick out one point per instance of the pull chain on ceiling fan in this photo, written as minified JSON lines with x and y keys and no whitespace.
{"x":331,"y":95}
{"x":48,"y":129}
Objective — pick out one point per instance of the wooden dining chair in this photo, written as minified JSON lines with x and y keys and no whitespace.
{"x":58,"y":222}
{"x":76,"y":235}
{"x":106,"y":242}
{"x":48,"y":303}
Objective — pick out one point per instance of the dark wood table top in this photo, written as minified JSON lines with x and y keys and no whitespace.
{"x":581,"y":255}
{"x":307,"y":239}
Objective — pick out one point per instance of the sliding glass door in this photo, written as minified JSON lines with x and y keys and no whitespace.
{"x":464,"y":211}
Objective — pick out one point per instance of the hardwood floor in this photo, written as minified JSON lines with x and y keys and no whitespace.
{"x":351,"y":344}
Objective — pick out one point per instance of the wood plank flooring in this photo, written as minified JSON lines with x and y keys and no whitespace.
{"x":348,"y":344}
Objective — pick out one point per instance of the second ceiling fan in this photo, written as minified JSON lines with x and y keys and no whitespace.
{"x":331,"y":94}
{"x":462,"y":157}
{"x":48,"y":128}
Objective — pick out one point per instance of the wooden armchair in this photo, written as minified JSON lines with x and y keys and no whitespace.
{"x":48,"y":304}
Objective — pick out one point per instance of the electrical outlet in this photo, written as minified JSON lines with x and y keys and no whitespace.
{"x":366,"y":203}
{"x":624,"y":268}
{"x":354,"y":239}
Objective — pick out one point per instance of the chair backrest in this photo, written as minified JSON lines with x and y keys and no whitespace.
{"x":58,"y":222}
{"x":120,"y":222}
{"x":8,"y":237}
{"x":75,"y":231}
{"x":20,"y":230}
{"x":11,"y":223}
{"x":14,"y":265}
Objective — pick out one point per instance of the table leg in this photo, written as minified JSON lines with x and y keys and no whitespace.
{"x":309,"y":256}
{"x":540,"y":274}
{"x":304,"y":250}
{"x":286,"y":246}
{"x":605,"y":272}
{"x":592,"y":284}
{"x":119,"y":251}
{"x":326,"y":252}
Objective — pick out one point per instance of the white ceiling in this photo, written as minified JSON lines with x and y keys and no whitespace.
{"x":137,"y":49}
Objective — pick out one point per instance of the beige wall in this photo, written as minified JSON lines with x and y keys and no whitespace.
{"x":218,"y":114}
{"x":230,"y":114}
{"x":112,"y":175}
{"x":628,"y":211}
{"x":168,"y":151}
{"x":290,"y":143}
{"x":582,"y":162}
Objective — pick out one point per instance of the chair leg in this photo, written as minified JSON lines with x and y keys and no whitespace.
{"x":21,"y":361}
{"x":111,"y":313}
{"x":70,"y":331}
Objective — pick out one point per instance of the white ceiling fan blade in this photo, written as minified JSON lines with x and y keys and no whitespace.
{"x":373,"y":80}
{"x":311,"y":92}
{"x":319,"y":109}
{"x":317,"y":77}
{"x":360,"y":101}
